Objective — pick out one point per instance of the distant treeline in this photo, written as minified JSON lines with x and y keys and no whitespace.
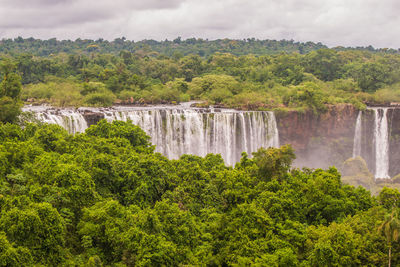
{"x":201,"y":47}
{"x":178,"y":46}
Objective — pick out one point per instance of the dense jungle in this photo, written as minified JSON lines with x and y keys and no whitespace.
{"x":104,"y":197}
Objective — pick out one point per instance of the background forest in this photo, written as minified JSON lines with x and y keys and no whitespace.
{"x":105,"y":198}
{"x":245,"y":74}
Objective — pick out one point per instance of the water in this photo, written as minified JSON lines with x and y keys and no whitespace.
{"x":71,"y":120}
{"x":357,"y":136}
{"x":182,"y":130}
{"x":381,"y":139}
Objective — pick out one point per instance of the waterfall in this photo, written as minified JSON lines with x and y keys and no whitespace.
{"x":178,"y":131}
{"x":189,"y":131}
{"x":381,"y":138}
{"x":357,"y":136}
{"x":70,"y":119}
{"x":381,"y":141}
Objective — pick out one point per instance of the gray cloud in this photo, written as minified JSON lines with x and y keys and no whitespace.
{"x":25,"y":14}
{"x":333,"y":22}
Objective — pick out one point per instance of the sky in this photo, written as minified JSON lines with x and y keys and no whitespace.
{"x":332,"y":22}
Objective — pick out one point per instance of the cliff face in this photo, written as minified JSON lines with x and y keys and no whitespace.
{"x":327,"y":139}
{"x":320,"y":140}
{"x":394,"y":141}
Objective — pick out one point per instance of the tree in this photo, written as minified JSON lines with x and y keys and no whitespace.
{"x":13,"y":255}
{"x":390,"y":228}
{"x":335,"y":245}
{"x":324,"y":64}
{"x":371,"y":76}
{"x":10,"y":89}
{"x":11,"y":84}
{"x":214,"y":87}
{"x":38,"y":227}
{"x":9,"y":109}
{"x":119,"y":129}
{"x":274,"y":162}
{"x":389,"y":198}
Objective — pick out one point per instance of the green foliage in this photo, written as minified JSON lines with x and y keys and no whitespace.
{"x":371,"y":75}
{"x":274,"y":162}
{"x":126,"y":130}
{"x":325,"y":64}
{"x":13,"y":256}
{"x":9,"y":109}
{"x":173,"y":48}
{"x":389,"y":198}
{"x":43,"y":91}
{"x":249,"y":100}
{"x":309,"y":95}
{"x":213,"y":87}
{"x":245,"y":74}
{"x":10,"y":89}
{"x":336,"y":245}
{"x":38,"y":227}
{"x":390,"y":228}
{"x":388,"y":94}
{"x":103,"y":99}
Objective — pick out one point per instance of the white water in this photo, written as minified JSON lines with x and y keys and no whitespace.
{"x":357,"y":136}
{"x":381,"y":138}
{"x":178,"y":131}
{"x":69,"y":119}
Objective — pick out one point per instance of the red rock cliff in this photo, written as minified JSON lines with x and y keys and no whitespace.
{"x":320,"y":140}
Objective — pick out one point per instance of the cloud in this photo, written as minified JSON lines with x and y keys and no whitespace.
{"x":25,"y":14}
{"x":333,"y":22}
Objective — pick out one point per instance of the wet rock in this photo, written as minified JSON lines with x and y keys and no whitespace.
{"x":92,"y":117}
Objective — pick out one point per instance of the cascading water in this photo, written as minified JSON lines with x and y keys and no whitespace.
{"x":178,"y":131}
{"x":381,"y":138}
{"x":357,"y":136}
{"x":69,"y":119}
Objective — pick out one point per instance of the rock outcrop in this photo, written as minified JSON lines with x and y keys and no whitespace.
{"x":355,"y":172}
{"x":92,"y":117}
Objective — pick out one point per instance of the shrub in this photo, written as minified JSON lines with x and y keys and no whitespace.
{"x":104,"y":99}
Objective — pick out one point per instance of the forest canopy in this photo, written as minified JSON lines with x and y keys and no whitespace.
{"x":105,"y":198}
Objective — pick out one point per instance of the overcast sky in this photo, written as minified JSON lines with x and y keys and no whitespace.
{"x":332,"y":22}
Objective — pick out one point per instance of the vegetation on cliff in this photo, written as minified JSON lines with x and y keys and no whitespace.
{"x":105,"y":198}
{"x":248,"y":74}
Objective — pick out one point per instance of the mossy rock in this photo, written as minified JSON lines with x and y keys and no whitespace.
{"x":355,"y":172}
{"x":378,"y":187}
{"x":355,"y":166}
{"x":396,"y":179}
